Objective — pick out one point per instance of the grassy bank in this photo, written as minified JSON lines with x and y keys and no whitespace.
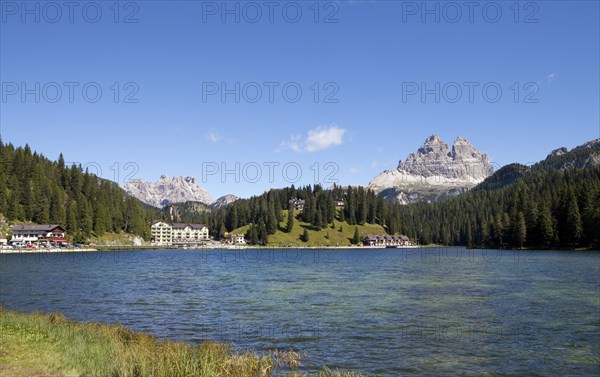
{"x":339,"y":235}
{"x":117,"y":239}
{"x":36,"y":344}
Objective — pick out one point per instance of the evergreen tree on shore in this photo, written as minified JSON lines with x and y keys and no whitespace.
{"x":549,"y":206}
{"x":36,"y":189}
{"x":290,"y":221}
{"x":305,"y":236}
{"x":356,"y":237}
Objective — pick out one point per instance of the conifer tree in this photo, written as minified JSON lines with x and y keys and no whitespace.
{"x":290,"y":221}
{"x":546,"y":225}
{"x":521,"y":229}
{"x":263,"y":235}
{"x":356,"y":237}
{"x":574,"y":226}
{"x":305,"y":236}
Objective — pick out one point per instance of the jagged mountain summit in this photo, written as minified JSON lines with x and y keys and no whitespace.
{"x":435,"y":171}
{"x":166,"y":191}
{"x":224,"y":201}
{"x":558,"y":152}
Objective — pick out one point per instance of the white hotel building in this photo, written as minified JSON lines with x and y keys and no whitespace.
{"x":164,"y":234}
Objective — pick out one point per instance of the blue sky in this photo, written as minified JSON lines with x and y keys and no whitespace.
{"x":372,"y":61}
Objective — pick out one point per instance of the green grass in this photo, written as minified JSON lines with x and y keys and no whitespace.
{"x":114,"y":239}
{"x":36,"y":344}
{"x":317,"y":237}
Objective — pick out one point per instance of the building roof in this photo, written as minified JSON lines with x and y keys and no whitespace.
{"x":36,"y":227}
{"x":381,"y":238}
{"x":159,"y":222}
{"x":182,"y":225}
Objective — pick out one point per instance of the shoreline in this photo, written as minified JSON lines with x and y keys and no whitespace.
{"x":116,"y":248}
{"x":50,"y":250}
{"x":43,"y":344}
{"x":142,"y":248}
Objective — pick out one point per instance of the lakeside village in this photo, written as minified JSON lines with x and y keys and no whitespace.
{"x":40,"y":237}
{"x":52,"y":237}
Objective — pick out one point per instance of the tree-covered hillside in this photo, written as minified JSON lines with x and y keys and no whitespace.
{"x":553,"y":203}
{"x":552,"y":208}
{"x":266,"y":211}
{"x":36,"y":189}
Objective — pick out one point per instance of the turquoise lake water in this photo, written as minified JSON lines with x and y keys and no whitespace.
{"x":389,"y":312}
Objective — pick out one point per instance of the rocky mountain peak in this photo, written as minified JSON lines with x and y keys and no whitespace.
{"x":435,"y":164}
{"x":465,"y":151}
{"x":435,"y":158}
{"x":583,"y":156}
{"x":462,"y":146}
{"x":433,"y":144}
{"x":591,"y":144}
{"x":558,"y":152}
{"x":224,"y":201}
{"x":433,"y":139}
{"x":433,"y":148}
{"x":166,"y":191}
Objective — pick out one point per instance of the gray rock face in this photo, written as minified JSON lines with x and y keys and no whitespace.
{"x":224,"y":201}
{"x":589,"y":155}
{"x":594,"y":158}
{"x":434,"y":171}
{"x":590,"y":144}
{"x":435,"y":158}
{"x":558,"y":152}
{"x":167,"y":191}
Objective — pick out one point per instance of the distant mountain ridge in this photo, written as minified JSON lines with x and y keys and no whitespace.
{"x":584,"y":156}
{"x":166,"y":191}
{"x":224,"y":201}
{"x":435,"y":171}
{"x":36,"y":189}
{"x":194,"y":212}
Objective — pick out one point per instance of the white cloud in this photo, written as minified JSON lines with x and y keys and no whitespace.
{"x":322,"y":138}
{"x":551,"y":77}
{"x":294,"y":143}
{"x":317,"y":139}
{"x":213,"y":137}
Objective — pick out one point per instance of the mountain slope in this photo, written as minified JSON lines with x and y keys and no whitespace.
{"x":584,"y":156}
{"x":505,"y":176}
{"x":188,"y":212}
{"x":435,"y":171}
{"x":337,"y":234}
{"x":36,"y":189}
{"x":554,"y":203}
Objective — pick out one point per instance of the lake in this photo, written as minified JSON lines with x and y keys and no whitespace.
{"x":388,"y":312}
